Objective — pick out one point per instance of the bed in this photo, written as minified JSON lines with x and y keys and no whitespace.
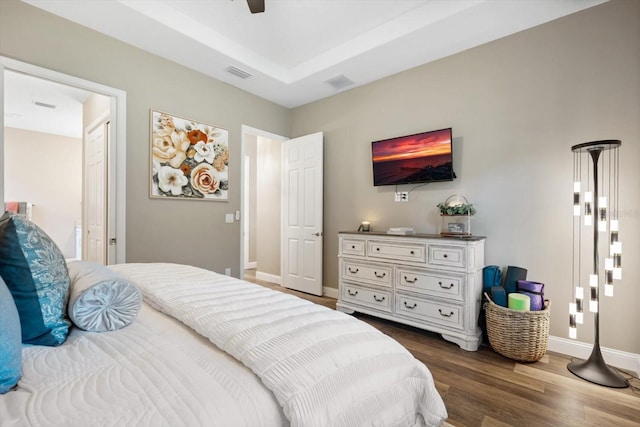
{"x":210,"y":350}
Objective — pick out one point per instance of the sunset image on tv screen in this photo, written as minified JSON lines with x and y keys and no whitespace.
{"x":416,"y":158}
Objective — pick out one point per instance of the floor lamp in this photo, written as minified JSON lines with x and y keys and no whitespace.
{"x":595,"y":208}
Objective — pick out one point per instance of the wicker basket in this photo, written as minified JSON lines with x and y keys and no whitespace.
{"x":518,"y":335}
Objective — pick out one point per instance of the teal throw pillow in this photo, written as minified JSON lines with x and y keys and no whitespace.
{"x":35,"y":271}
{"x":10,"y":341}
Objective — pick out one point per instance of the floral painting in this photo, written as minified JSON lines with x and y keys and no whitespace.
{"x":188,"y":159}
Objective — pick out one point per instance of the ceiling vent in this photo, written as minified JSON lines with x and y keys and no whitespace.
{"x":44,"y":104}
{"x":340,"y":82}
{"x":238,"y":72}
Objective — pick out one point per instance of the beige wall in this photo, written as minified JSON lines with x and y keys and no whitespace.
{"x":183,"y":231}
{"x":46,"y":170}
{"x":264,"y":203}
{"x":251,"y":151}
{"x":94,"y":108}
{"x":268,"y":185}
{"x":516,"y":106}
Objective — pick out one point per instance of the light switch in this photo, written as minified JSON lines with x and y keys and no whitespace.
{"x":228,"y":218}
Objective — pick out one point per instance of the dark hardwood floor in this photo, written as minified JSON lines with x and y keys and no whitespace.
{"x":483,"y":388}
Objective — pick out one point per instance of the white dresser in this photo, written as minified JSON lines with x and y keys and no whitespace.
{"x":426,"y":281}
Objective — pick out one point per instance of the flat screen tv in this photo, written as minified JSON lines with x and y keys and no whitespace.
{"x":419,"y":158}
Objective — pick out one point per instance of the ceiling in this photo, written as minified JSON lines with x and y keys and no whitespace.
{"x":43,"y":106}
{"x":296,"y":48}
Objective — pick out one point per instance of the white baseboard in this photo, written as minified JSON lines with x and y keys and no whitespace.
{"x":330,"y":292}
{"x":271,"y":278}
{"x":251,"y":265}
{"x":617,"y":358}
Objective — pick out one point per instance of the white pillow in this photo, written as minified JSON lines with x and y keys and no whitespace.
{"x":100,"y":299}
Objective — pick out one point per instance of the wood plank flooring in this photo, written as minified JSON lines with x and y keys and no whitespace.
{"x":483,"y":388}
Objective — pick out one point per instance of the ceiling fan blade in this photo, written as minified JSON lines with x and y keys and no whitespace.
{"x":256,"y":6}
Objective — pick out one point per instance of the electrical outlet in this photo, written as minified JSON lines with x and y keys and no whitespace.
{"x":227,"y":271}
{"x":402,"y":196}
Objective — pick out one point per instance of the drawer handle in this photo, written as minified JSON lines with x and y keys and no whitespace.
{"x":412,"y":306}
{"x":406,"y":279}
{"x":445,"y":287}
{"x":445,"y":315}
{"x":353,"y":246}
{"x":375,"y":297}
{"x":445,"y":256}
{"x":379,"y":276}
{"x":353,"y":294}
{"x":353,"y":271}
{"x":378,"y":249}
{"x":412,"y":252}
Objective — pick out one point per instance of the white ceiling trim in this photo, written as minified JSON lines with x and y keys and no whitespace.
{"x":377,"y":38}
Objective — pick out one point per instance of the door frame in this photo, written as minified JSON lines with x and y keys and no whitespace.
{"x":116,"y":210}
{"x":243,"y":208}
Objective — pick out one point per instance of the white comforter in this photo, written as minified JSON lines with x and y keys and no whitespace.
{"x":324,"y":367}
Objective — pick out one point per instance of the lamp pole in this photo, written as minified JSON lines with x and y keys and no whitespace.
{"x":594,"y":369}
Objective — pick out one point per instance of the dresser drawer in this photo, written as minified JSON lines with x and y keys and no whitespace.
{"x":353,"y":247}
{"x":367,"y":273}
{"x":432,"y":311}
{"x":447,"y":255}
{"x":397,"y":251}
{"x":447,"y":285}
{"x":380,"y":300}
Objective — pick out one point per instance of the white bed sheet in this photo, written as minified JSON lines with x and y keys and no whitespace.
{"x":155,"y":372}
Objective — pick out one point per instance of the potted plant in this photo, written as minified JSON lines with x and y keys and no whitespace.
{"x":456,"y":206}
{"x":462,"y":209}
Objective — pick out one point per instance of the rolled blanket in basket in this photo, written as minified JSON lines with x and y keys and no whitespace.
{"x":491,"y":276}
{"x":499,"y":296}
{"x":513,"y":275}
{"x":535,"y":292}
{"x":519,"y":302}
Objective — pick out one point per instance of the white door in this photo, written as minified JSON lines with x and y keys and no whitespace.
{"x":95,"y":195}
{"x":302,"y":174}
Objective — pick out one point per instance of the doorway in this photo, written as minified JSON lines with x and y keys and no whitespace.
{"x":282,"y":204}
{"x":261,"y":201}
{"x":114,"y":206}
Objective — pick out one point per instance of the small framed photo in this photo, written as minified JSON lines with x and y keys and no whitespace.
{"x":456,"y":227}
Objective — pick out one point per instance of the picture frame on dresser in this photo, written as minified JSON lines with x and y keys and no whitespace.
{"x":431,"y":282}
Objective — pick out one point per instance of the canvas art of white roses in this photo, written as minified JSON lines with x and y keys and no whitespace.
{"x":188,"y":159}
